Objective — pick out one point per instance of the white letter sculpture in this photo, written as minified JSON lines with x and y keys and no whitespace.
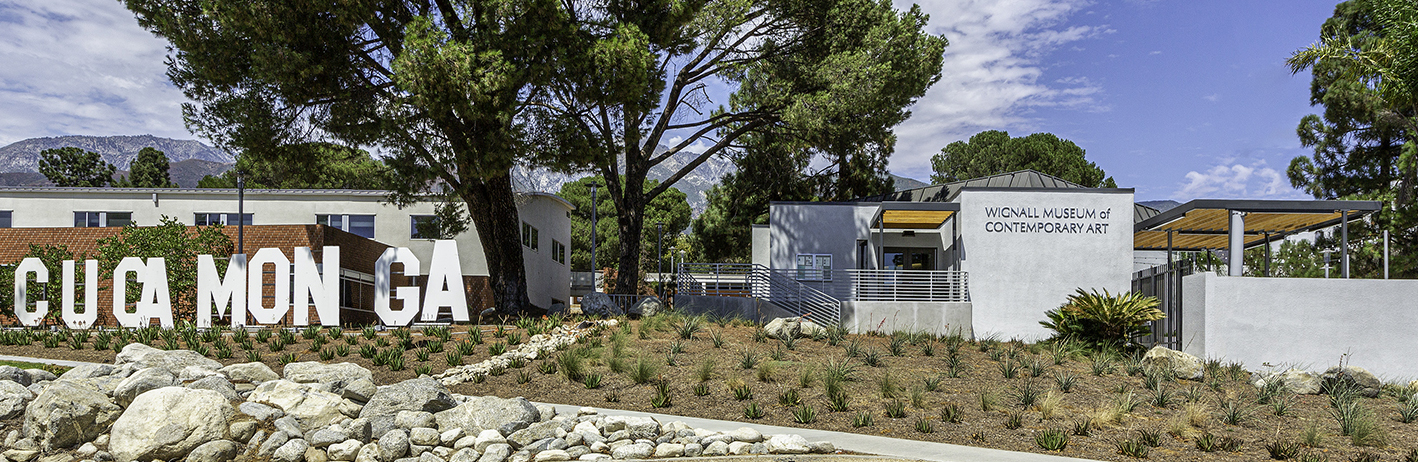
{"x":156,"y":302}
{"x":222,"y":292}
{"x":41,"y":275}
{"x":120,"y":290}
{"x":410,"y":295}
{"x":254,"y":294}
{"x":325,"y":291}
{"x":90,"y":315}
{"x":445,"y":271}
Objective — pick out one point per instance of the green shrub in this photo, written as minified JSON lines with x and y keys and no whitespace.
{"x":1103,"y":320}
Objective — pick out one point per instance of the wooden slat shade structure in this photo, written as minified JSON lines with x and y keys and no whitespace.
{"x":1205,"y":224}
{"x":915,"y":219}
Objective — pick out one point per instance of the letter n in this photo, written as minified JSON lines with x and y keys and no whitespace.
{"x":325,"y":291}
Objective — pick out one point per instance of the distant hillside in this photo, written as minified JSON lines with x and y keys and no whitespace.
{"x":188,"y":172}
{"x":23,"y":156}
{"x":903,"y":183}
{"x":1162,"y":205}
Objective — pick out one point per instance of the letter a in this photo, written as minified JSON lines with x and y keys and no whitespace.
{"x":445,"y":271}
{"x":156,"y":301}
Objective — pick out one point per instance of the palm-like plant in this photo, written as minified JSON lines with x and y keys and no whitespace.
{"x":1105,"y":317}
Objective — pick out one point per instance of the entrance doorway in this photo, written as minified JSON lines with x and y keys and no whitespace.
{"x":910,"y":258}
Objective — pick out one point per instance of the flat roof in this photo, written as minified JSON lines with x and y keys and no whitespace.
{"x":1205,"y":223}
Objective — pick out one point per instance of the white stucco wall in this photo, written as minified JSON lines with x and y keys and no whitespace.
{"x":1015,"y":276}
{"x":1307,"y":323}
{"x":55,"y":207}
{"x":760,"y":245}
{"x":818,"y":228}
{"x":941,"y":318}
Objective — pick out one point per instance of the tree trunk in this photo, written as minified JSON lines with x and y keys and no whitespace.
{"x":631,"y":222}
{"x":493,"y":209}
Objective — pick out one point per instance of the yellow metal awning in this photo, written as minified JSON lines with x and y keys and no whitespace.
{"x":915,"y":219}
{"x":1205,"y":224}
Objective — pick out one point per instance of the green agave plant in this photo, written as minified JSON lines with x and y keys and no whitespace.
{"x":1104,"y":318}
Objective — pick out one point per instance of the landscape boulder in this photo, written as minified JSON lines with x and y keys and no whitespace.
{"x":68,"y":414}
{"x":648,"y":306}
{"x":796,"y":327}
{"x":15,"y":374}
{"x":336,"y":375}
{"x":1181,"y":365}
{"x":249,"y":373}
{"x":168,"y":423}
{"x":489,"y":413}
{"x":174,"y":361}
{"x":1296,"y":381}
{"x":314,"y":408}
{"x":600,"y":304}
{"x":13,"y":398}
{"x":151,"y":378}
{"x":1353,"y":377}
{"x":420,"y":394}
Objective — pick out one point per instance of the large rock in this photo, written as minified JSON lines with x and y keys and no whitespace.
{"x":1354,"y":377}
{"x":249,"y":373}
{"x":648,"y":306}
{"x":218,"y":384}
{"x":489,"y":413}
{"x":787,"y":444}
{"x":214,"y":451}
{"x":87,"y":371}
{"x":314,"y":408}
{"x":144,"y":380}
{"x":1295,"y":380}
{"x":1181,"y":365}
{"x":167,"y":423}
{"x":68,"y":414}
{"x":421,"y":394}
{"x":797,"y":327}
{"x":336,"y":375}
{"x":13,"y":398}
{"x":15,"y":374}
{"x":174,"y":361}
{"x":600,"y":304}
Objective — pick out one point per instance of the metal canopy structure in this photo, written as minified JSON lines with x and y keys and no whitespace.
{"x":913,"y":215}
{"x":1207,"y":224}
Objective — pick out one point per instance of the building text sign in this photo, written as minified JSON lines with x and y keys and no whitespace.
{"x":1047,"y":220}
{"x":240,"y":291}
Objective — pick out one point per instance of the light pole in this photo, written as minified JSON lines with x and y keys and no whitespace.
{"x":594,"y":270}
{"x":659,"y":259}
{"x":240,"y":212}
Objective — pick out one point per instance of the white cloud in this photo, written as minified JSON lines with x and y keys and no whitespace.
{"x":77,"y":67}
{"x":1233,"y":180}
{"x":991,"y":73}
{"x":1214,"y":97}
{"x":1155,"y":52}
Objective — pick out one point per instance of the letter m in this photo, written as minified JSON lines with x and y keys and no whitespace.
{"x":222,"y":292}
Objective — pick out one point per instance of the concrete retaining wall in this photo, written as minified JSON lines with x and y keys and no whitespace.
{"x":1308,"y":323}
{"x":936,"y":317}
{"x":741,"y":307}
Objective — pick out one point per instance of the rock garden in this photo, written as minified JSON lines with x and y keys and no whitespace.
{"x":468,"y":394}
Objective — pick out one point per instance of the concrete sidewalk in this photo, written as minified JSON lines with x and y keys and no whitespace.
{"x":56,"y":362}
{"x":868,"y":444}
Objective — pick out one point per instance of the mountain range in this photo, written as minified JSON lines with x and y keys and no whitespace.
{"x":191,"y":160}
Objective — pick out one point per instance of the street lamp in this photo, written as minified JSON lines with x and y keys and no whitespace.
{"x":594,"y":185}
{"x":659,"y":258}
{"x":240,"y":212}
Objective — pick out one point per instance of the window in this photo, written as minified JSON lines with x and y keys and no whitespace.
{"x":209,"y":219}
{"x":102,"y":219}
{"x":5,"y":219}
{"x":423,"y":227}
{"x":359,"y":225}
{"x":558,"y":252}
{"x":814,"y":267}
{"x":529,"y":236}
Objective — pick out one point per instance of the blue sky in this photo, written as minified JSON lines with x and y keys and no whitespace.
{"x":1178,"y":99}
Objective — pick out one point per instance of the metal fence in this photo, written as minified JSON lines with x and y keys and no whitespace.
{"x":1164,"y":282}
{"x":887,"y":285}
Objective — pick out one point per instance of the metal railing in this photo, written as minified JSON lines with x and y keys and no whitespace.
{"x":1165,"y":283}
{"x":757,"y":281}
